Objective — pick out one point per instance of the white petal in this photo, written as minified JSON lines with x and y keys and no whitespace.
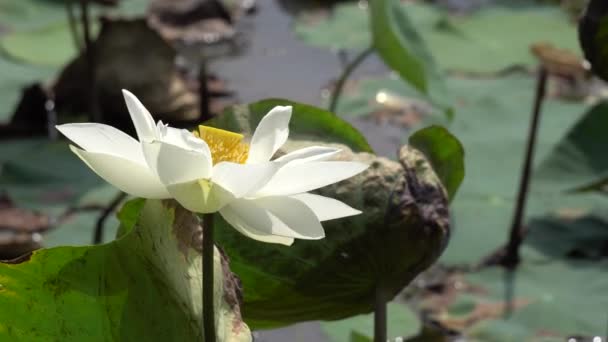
{"x":308,"y":154}
{"x":326,"y":208}
{"x":143,"y":121}
{"x":282,"y":216}
{"x":182,"y":138}
{"x":176,"y":165}
{"x":270,"y":135}
{"x":243,"y":179}
{"x":133,"y":178}
{"x":237,"y":223}
{"x":295,"y":214}
{"x":200,"y":197}
{"x":100,"y":138}
{"x":296,"y":178}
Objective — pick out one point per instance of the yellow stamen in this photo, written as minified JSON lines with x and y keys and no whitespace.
{"x":224,"y":145}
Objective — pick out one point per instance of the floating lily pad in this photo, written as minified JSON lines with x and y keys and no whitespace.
{"x":579,"y":160}
{"x":491,"y":120}
{"x":30,"y":14}
{"x":144,"y":286}
{"x":38,"y":31}
{"x":560,"y":298}
{"x":68,"y":184}
{"x":47,"y":46}
{"x":32,"y":183}
{"x":489,"y":40}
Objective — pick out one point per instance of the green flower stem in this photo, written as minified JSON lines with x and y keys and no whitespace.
{"x":380,"y":325}
{"x":345,"y":75}
{"x":208,"y":251}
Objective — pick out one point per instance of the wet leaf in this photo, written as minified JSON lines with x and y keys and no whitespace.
{"x":445,"y":154}
{"x":144,"y":286}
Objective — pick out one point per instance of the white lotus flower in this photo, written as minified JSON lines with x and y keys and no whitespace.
{"x":214,"y":170}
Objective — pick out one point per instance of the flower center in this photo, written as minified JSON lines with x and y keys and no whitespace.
{"x":224,"y":145}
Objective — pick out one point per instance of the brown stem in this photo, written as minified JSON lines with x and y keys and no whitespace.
{"x":109,"y":209}
{"x":345,"y":75}
{"x":69,"y":212}
{"x":511,"y":257}
{"x":380,"y":325}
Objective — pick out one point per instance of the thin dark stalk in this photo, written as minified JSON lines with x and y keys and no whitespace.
{"x":70,"y":211}
{"x":109,"y":209}
{"x":380,"y":325}
{"x":512,"y":258}
{"x":203,"y":93}
{"x":348,"y":70}
{"x":343,"y":58}
{"x":509,"y":281}
{"x":208,"y":251}
{"x":69,"y":8}
{"x":91,"y":63}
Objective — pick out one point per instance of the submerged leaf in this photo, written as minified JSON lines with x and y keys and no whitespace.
{"x":144,"y":286}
